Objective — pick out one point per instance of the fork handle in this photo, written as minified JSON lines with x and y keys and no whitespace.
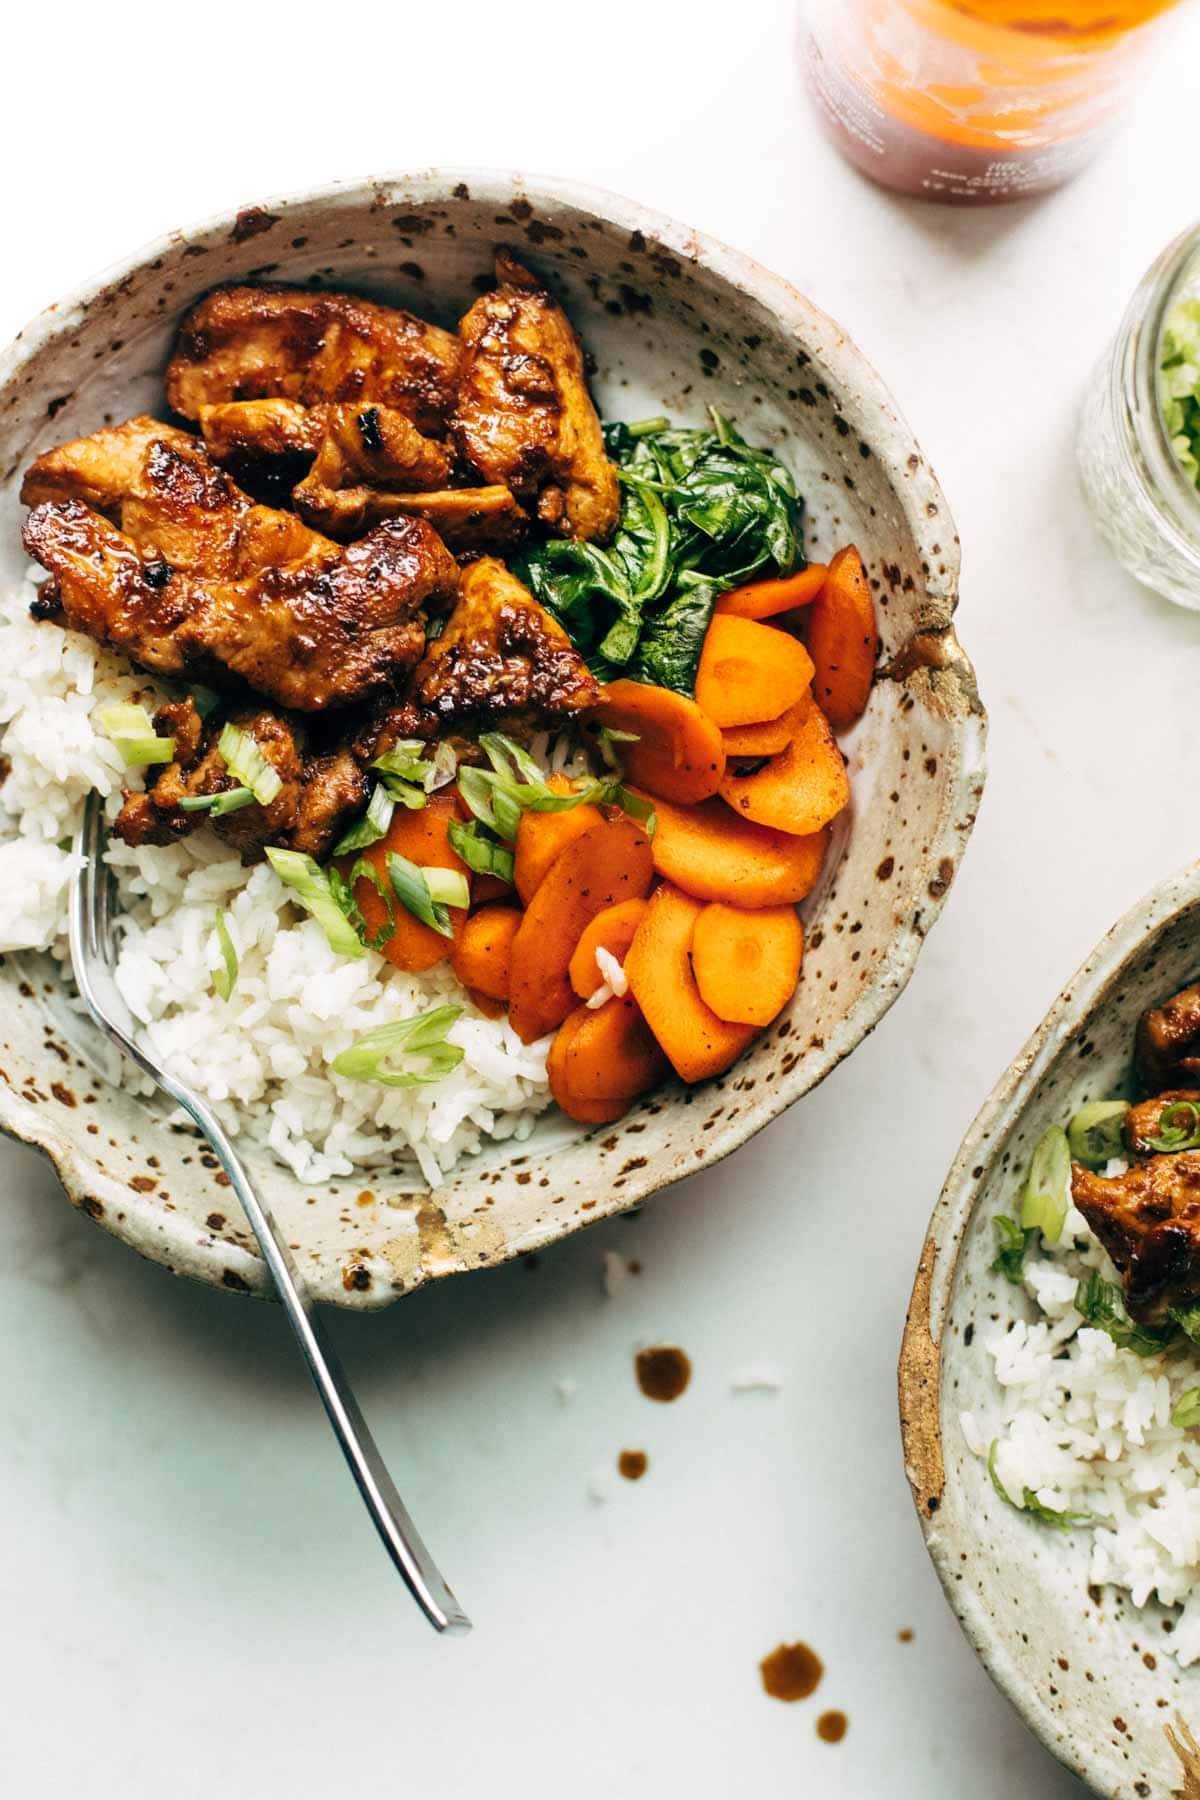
{"x":401,"y":1538}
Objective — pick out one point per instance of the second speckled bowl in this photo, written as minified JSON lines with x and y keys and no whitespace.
{"x":673,"y":321}
{"x":1091,"y":1674}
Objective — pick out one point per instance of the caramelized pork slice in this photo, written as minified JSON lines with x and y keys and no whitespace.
{"x":319,"y":795}
{"x":1149,"y":1222}
{"x":169,"y":497}
{"x":362,"y":449}
{"x":1143,"y":1127}
{"x":1167,"y":1044}
{"x":466,"y":519}
{"x":500,"y":653}
{"x":263,"y":343}
{"x":524,"y":416}
{"x":326,"y":630}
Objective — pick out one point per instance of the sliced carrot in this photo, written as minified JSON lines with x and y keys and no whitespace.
{"x":800,"y":790}
{"x":588,"y":1112}
{"x":491,"y":1009}
{"x":483,"y":953}
{"x":677,"y":750}
{"x":608,"y":864}
{"x":744,"y":742}
{"x":611,"y":930}
{"x":764,"y":599}
{"x":659,"y":967}
{"x":424,"y":838}
{"x":612,"y":1054}
{"x":541,"y":836}
{"x":714,"y":854}
{"x":747,"y":963}
{"x":749,"y":672}
{"x":843,"y":640}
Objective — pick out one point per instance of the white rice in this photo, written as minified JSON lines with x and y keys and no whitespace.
{"x":1087,"y":1427}
{"x":263,"y":1058}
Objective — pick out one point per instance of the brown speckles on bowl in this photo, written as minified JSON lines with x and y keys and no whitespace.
{"x":685,"y":304}
{"x":1071,"y":1657}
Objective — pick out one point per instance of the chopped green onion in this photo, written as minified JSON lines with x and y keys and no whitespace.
{"x":638,"y":808}
{"x":311,"y":887}
{"x":224,"y":977}
{"x":1094,"y":1134}
{"x":1014,"y":1242}
{"x":232,"y":800}
{"x":443,"y":768}
{"x":448,"y":887}
{"x":607,"y":738}
{"x":373,"y":1057}
{"x":1101,"y":1305}
{"x":507,"y":809}
{"x":1047,"y":1192}
{"x":1178,"y":1128}
{"x":1188,"y":1320}
{"x":480,"y":851}
{"x":132,"y":731}
{"x":372,"y":826}
{"x":1029,"y":1502}
{"x":413,"y":888}
{"x":244,"y":758}
{"x":405,"y":760}
{"x":1186,"y":1411}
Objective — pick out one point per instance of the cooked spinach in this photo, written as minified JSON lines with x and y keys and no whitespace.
{"x":701,"y":511}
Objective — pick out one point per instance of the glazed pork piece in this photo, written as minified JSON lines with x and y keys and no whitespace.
{"x":267,"y":343}
{"x":319,"y":792}
{"x":1149,"y":1222}
{"x":524,"y":417}
{"x":199,"y":581}
{"x":500,"y":655}
{"x":1167,"y":1046}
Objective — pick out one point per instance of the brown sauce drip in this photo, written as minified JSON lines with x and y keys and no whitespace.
{"x":663,"y":1371}
{"x":831,"y":1727}
{"x":791,"y":1672}
{"x":905,"y":1636}
{"x":633,"y":1464}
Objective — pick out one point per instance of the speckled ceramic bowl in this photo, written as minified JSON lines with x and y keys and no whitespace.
{"x":674,"y":321}
{"x":1088,"y":1672}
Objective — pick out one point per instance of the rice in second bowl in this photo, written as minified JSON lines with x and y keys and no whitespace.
{"x":264,"y":1056}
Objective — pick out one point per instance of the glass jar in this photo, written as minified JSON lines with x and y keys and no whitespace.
{"x":1145,"y":506}
{"x":974,"y":101}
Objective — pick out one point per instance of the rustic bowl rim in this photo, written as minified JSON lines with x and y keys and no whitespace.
{"x":933,"y":642}
{"x":919,"y":1374}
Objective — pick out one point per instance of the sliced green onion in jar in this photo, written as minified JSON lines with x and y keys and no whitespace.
{"x":1047,"y":1193}
{"x":380,"y":1055}
{"x":480,"y":851}
{"x":245,"y":760}
{"x":132,"y":731}
{"x":1094,"y":1135}
{"x":311,"y":887}
{"x":411,"y":887}
{"x":372,"y":826}
{"x":231,"y":800}
{"x":224,"y":977}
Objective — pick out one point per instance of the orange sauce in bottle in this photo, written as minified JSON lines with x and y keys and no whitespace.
{"x":974,"y":101}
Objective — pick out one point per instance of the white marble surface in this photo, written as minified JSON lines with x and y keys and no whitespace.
{"x":191,"y":1598}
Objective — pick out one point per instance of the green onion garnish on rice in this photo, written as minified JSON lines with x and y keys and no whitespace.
{"x":224,"y":977}
{"x":426,"y":893}
{"x":1037,"y":1509}
{"x":380,"y":1055}
{"x":1047,"y":1192}
{"x":245,"y":760}
{"x":132,"y":731}
{"x":481,"y":851}
{"x":311,"y":887}
{"x":514,"y":784}
{"x":1095,"y":1133}
{"x":1186,"y":1411}
{"x":230,"y":801}
{"x":372,"y":826}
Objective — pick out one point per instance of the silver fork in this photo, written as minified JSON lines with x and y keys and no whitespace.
{"x":93,"y":934}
